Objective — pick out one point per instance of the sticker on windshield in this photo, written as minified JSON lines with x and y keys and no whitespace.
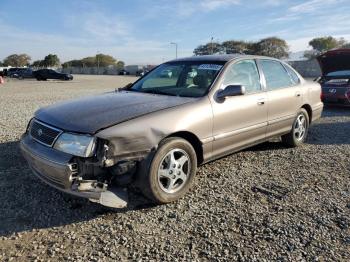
{"x":209,"y":67}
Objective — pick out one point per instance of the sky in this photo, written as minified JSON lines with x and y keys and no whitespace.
{"x":140,"y":31}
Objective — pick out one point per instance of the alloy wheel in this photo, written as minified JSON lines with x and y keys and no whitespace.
{"x":174,"y":170}
{"x":300,"y":126}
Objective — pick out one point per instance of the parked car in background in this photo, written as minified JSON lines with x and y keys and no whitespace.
{"x":335,"y":79}
{"x":22,"y":74}
{"x":123,"y":72}
{"x":141,"y":72}
{"x":166,"y":73}
{"x":14,"y":71}
{"x":155,"y":132}
{"x":44,"y":74}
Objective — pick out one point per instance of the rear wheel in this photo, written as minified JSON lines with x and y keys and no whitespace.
{"x":171,"y":171}
{"x":298,"y":134}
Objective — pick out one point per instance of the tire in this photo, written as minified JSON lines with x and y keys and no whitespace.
{"x":297,"y":136}
{"x":160,"y":180}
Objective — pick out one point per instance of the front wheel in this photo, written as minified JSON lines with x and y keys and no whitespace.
{"x":171,"y":171}
{"x":298,"y":134}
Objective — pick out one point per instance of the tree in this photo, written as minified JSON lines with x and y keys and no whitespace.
{"x":323,"y":44}
{"x":17,"y":60}
{"x":99,"y":60}
{"x":73,"y":63}
{"x":104,"y":60}
{"x":271,"y":46}
{"x":233,"y":46}
{"x":38,"y":63}
{"x":88,"y":61}
{"x":51,"y":60}
{"x":120,"y":65}
{"x":208,"y":49}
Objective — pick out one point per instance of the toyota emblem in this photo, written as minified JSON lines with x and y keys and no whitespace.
{"x":40,"y":132}
{"x":332,"y":90}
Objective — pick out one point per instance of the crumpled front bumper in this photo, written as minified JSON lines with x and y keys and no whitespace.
{"x":57,"y":170}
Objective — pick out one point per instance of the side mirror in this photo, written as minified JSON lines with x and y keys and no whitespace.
{"x":231,"y":90}
{"x":127,"y":87}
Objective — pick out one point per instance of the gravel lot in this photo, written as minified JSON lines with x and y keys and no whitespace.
{"x":265,"y":203}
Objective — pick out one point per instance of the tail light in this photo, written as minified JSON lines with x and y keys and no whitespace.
{"x":347,"y":94}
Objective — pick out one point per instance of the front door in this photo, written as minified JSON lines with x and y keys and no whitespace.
{"x":240,"y":120}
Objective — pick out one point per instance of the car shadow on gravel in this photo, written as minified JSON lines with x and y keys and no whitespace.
{"x":28,"y":204}
{"x":333,"y":133}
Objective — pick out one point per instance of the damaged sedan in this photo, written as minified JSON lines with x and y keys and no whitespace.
{"x":154,"y":133}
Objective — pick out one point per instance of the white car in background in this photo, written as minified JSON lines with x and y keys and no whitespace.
{"x":166,"y":73}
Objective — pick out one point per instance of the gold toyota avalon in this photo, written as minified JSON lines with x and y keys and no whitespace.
{"x":155,"y":132}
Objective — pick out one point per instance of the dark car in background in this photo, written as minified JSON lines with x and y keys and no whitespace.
{"x":335,"y":79}
{"x":14,"y":71}
{"x":24,"y":73}
{"x":44,"y":74}
{"x":123,"y":72}
{"x":141,"y":72}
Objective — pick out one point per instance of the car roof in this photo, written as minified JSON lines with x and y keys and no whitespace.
{"x":218,"y":58}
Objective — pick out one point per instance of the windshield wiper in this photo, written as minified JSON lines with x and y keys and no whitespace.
{"x":157,"y":92}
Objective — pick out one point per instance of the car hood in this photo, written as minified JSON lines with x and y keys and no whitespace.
{"x":93,"y":113}
{"x":334,"y":60}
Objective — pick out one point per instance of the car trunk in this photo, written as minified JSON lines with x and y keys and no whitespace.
{"x":335,"y":66}
{"x":334,"y":60}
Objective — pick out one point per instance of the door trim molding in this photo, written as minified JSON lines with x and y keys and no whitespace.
{"x":239,"y":131}
{"x":280,"y":119}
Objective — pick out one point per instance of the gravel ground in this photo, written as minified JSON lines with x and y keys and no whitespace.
{"x":265,"y":203}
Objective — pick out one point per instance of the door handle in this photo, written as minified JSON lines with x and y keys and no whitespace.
{"x":297,"y":94}
{"x":261,"y":101}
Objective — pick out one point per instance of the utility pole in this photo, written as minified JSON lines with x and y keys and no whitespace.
{"x":98,"y":63}
{"x":211,"y":44}
{"x":172,"y":43}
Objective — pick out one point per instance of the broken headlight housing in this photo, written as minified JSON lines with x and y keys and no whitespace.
{"x":77,"y":145}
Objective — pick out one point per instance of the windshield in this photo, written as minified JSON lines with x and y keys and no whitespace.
{"x":189,"y":79}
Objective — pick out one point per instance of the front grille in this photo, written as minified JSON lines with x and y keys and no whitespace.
{"x":44,"y":133}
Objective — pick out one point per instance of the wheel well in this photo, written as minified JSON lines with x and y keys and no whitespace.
{"x":194,"y":141}
{"x":308,"y":110}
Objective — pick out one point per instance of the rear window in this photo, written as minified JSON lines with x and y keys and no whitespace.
{"x":292,"y":74}
{"x":275,"y":74}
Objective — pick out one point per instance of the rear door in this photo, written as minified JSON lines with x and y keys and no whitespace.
{"x":283,"y":94}
{"x":240,"y":120}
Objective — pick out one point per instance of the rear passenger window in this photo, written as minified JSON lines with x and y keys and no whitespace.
{"x":292,"y":75}
{"x":243,"y":73}
{"x":276,"y":75}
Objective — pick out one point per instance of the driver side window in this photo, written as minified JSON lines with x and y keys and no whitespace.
{"x":243,"y":73}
